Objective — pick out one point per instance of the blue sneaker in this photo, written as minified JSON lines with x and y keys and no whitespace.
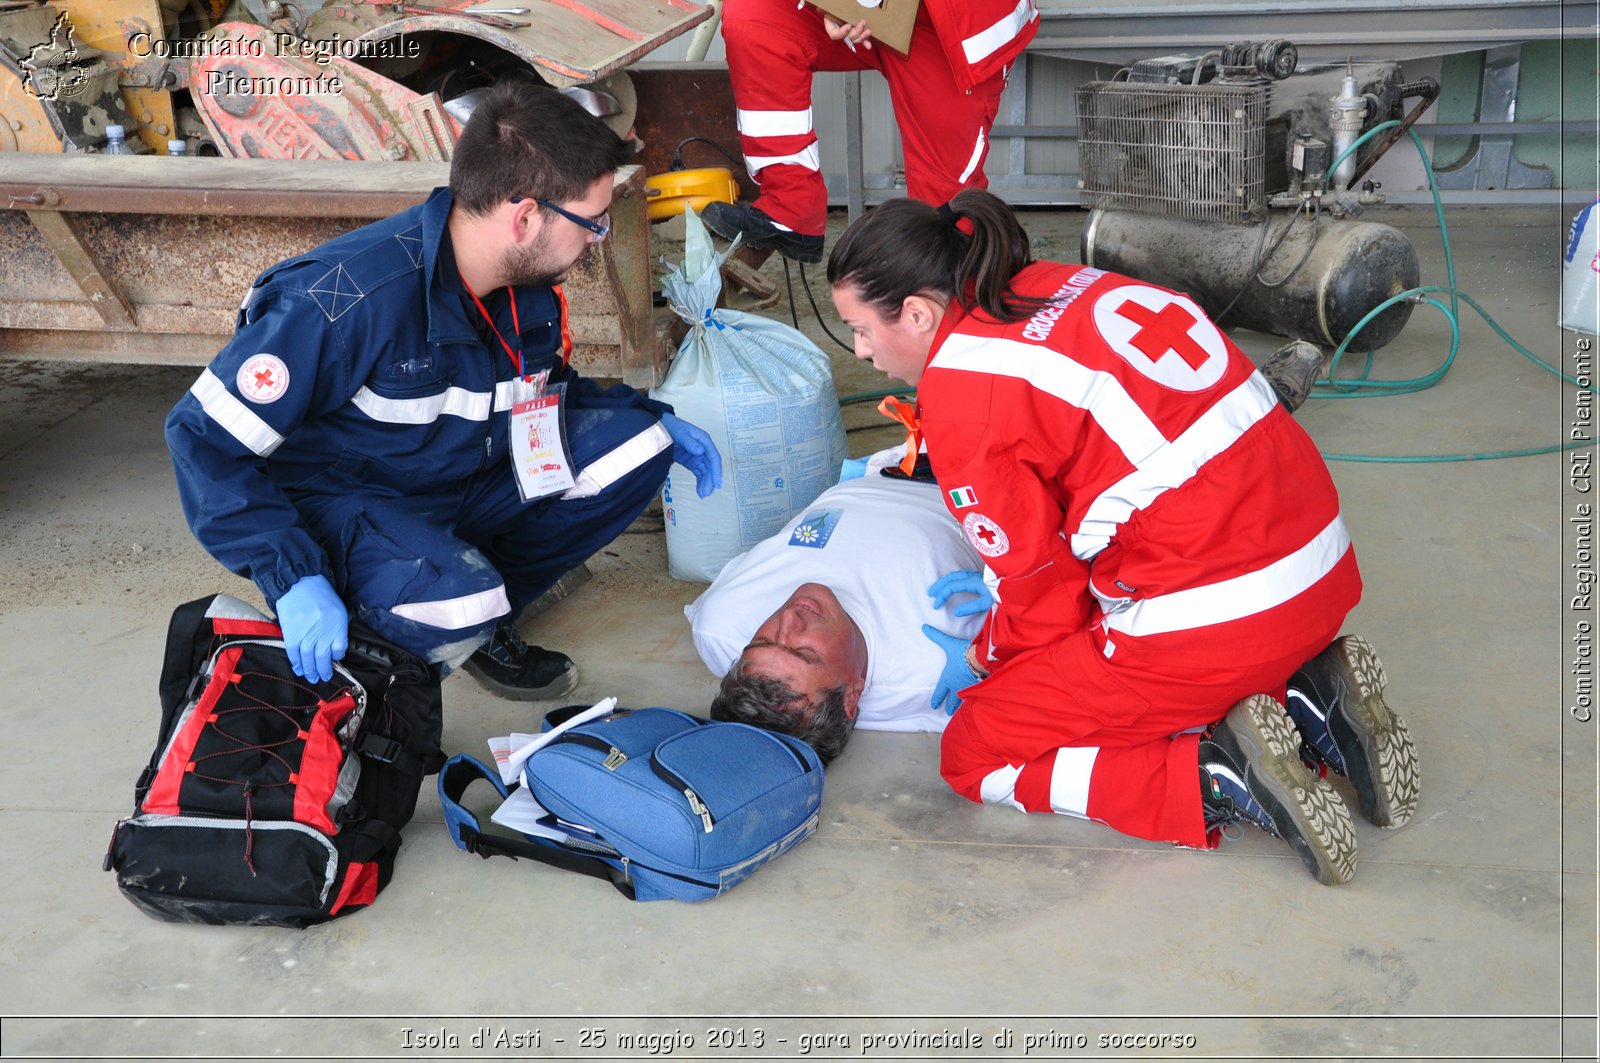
{"x":1250,"y":772}
{"x":1336,"y":702}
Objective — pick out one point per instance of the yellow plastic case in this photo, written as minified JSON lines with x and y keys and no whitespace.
{"x":670,"y":192}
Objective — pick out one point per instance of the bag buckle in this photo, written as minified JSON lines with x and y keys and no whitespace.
{"x":379,"y":747}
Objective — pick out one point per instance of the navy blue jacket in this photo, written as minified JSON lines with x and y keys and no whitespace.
{"x":357,"y":368}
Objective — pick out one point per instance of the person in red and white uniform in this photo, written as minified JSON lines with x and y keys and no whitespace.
{"x":1162,"y":541}
{"x":945,"y":89}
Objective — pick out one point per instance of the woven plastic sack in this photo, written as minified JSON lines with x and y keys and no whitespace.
{"x":1580,"y":273}
{"x":765,"y":395}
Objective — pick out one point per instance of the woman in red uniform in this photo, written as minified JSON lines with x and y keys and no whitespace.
{"x":1162,"y":541}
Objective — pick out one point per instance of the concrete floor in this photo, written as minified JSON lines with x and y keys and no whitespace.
{"x":1470,"y":933}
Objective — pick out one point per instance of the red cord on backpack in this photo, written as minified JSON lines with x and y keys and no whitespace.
{"x":249,"y":836}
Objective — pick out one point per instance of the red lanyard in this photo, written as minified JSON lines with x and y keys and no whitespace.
{"x":516,"y":355}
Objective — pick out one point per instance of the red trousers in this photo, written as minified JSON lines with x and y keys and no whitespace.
{"x":773,"y":48}
{"x":1062,"y":728}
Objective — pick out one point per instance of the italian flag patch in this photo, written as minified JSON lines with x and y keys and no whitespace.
{"x":962,"y":497}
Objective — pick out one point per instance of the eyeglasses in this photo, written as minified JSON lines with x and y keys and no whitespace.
{"x":600,"y":227}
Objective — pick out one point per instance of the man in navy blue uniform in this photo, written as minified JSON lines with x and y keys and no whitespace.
{"x":352,"y":448}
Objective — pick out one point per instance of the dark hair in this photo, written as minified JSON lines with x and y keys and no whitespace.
{"x":906,"y":247}
{"x":768,"y":703}
{"x":526,"y":139}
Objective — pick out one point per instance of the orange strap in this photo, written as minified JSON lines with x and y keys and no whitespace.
{"x":566,"y":333}
{"x":907,"y":414}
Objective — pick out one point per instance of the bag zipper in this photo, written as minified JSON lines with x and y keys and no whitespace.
{"x":795,"y":753}
{"x":615,"y":757}
{"x":697,"y":806}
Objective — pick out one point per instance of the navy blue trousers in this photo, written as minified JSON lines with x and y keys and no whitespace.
{"x":434,"y":573}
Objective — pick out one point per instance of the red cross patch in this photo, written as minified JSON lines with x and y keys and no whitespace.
{"x":263,"y":378}
{"x":1165,"y":336}
{"x":985,"y":535}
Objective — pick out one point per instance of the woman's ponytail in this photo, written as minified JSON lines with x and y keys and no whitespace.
{"x":996,"y":251}
{"x":965,"y":251}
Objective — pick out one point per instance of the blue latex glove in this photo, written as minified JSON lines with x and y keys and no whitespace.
{"x":695,"y":451}
{"x":962,"y":581}
{"x":316,"y":627}
{"x":956,"y":675}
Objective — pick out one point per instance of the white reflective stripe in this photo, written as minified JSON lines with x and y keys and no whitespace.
{"x":456,"y":402}
{"x":774,"y":123}
{"x":505,"y":394}
{"x":809,"y":158}
{"x":1069,"y":780}
{"x":999,"y":787}
{"x":1242,"y":596}
{"x":619,"y":462}
{"x":453,"y":614}
{"x":1174,"y":464}
{"x":986,"y":42}
{"x":1098,"y":394}
{"x":972,"y":163}
{"x":238,"y":419}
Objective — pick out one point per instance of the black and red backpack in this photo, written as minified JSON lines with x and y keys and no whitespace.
{"x":273,"y":799}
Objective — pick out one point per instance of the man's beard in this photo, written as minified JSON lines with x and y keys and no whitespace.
{"x":532,"y":267}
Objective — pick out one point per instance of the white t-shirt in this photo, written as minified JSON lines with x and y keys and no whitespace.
{"x":878,"y":544}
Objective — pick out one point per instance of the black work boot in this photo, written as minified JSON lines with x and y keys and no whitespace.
{"x":1336,"y":701}
{"x":1250,"y":772}
{"x":1291,"y":371}
{"x":760,"y":232}
{"x":511,"y":668}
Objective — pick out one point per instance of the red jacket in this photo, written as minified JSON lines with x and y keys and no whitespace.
{"x":980,"y":37}
{"x":1119,"y":462}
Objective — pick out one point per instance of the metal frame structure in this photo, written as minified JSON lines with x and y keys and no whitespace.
{"x":1111,"y":34}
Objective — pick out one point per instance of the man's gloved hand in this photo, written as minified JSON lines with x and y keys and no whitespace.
{"x":962,"y":581}
{"x":316,"y":627}
{"x":695,"y":451}
{"x":956,"y":675}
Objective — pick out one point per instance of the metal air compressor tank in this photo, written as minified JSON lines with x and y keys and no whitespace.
{"x":1349,"y":268}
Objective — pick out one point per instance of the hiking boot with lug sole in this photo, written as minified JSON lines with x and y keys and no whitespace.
{"x":511,"y":668}
{"x":1336,"y":702}
{"x":1250,"y":772}
{"x":729,"y":220}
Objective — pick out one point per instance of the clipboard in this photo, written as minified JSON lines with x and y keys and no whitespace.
{"x":889,"y":20}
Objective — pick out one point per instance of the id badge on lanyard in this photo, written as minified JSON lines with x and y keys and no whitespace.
{"x":540,"y":459}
